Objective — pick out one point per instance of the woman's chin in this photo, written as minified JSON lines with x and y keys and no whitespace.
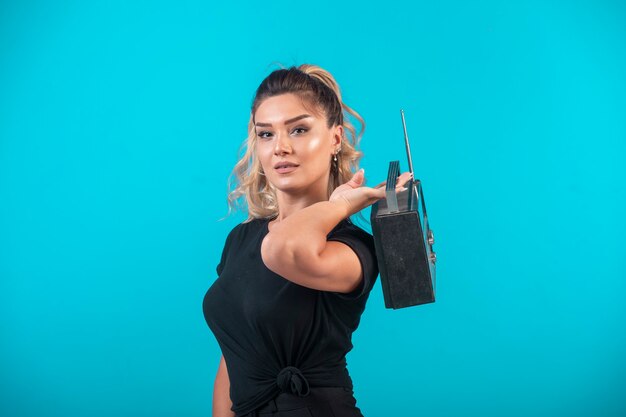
{"x":289,"y":185}
{"x":289,"y":188}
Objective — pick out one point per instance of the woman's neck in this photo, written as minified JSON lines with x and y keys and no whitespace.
{"x":290,"y":203}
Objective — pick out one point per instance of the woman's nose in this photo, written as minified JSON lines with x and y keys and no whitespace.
{"x":282,"y":145}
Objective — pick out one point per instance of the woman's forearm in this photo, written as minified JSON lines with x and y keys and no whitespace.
{"x":305,"y":231}
{"x":221,"y":393}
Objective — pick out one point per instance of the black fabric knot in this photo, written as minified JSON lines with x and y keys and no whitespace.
{"x":291,"y":380}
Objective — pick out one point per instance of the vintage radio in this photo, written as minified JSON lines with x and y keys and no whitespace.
{"x":404,"y":240}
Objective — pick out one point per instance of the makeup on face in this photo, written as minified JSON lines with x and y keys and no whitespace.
{"x":293,"y":144}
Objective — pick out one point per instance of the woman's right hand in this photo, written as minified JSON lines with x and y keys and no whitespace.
{"x":355,"y":197}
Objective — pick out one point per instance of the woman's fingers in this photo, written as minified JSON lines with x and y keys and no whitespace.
{"x":357,"y":179}
{"x":403,"y":178}
{"x":400,"y":182}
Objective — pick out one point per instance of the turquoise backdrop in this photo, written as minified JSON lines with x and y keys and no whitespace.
{"x":120,"y":122}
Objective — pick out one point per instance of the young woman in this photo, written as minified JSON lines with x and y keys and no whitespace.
{"x":294,"y":278}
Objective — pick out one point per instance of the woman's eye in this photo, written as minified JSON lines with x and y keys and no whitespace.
{"x":264,"y":134}
{"x":299,"y":130}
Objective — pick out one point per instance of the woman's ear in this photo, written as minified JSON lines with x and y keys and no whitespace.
{"x":338,"y":135}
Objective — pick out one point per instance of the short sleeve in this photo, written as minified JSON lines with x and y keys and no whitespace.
{"x":362,"y":243}
{"x":224,"y":257}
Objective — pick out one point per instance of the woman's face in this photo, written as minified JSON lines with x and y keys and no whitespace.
{"x":294,"y":145}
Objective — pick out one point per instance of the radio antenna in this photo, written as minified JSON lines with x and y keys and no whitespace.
{"x":406,"y":142}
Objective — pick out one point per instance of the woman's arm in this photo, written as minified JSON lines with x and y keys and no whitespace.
{"x":221,"y":395}
{"x":296,"y":248}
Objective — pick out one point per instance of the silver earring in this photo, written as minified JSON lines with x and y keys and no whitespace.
{"x":335,"y":158}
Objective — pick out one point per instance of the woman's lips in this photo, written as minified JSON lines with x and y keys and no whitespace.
{"x":286,"y":169}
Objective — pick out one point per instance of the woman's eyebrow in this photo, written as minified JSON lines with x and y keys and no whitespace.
{"x":293,"y":119}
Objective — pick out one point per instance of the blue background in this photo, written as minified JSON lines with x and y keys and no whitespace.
{"x":119,"y":125}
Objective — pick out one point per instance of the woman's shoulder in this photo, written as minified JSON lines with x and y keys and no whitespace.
{"x":354,"y":236}
{"x":247,"y":226}
{"x":347,"y":227}
{"x":239,"y":235}
{"x":362,"y":243}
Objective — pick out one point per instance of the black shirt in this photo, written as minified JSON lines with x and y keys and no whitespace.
{"x":276,"y":335}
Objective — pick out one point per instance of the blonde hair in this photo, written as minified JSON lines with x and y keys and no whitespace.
{"x":316,"y":86}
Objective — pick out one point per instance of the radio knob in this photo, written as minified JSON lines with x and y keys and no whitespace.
{"x":431,"y":237}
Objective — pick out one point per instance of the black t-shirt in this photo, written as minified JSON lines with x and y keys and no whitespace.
{"x":276,"y":335}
